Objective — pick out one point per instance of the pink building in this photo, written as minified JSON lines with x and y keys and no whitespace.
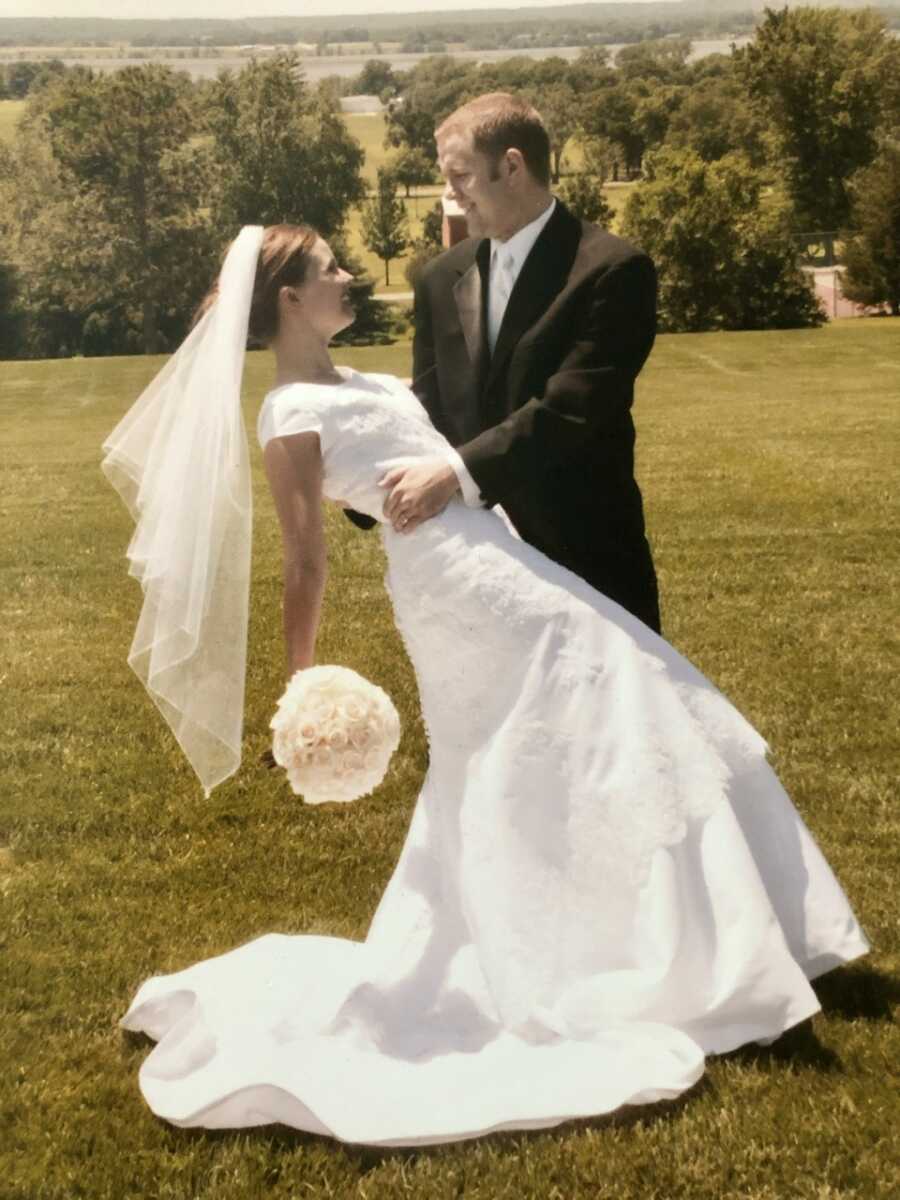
{"x":827,"y":282}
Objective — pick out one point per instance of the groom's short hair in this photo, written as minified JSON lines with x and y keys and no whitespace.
{"x":499,"y":122}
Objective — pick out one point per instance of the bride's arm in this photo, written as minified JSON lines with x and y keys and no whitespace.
{"x":294,"y":469}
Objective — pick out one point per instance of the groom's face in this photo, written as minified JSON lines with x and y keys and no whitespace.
{"x":477,"y":184}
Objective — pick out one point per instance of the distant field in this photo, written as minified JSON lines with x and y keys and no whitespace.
{"x":766,"y":461}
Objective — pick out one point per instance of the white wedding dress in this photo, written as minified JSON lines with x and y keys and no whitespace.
{"x":603,"y":880}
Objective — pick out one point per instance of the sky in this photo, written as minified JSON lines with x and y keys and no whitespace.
{"x":226,"y":9}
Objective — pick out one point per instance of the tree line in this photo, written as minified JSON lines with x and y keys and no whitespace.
{"x":615,"y":22}
{"x":122,"y":189}
{"x":736,"y":155}
{"x":17,"y":79}
{"x":476,"y":29}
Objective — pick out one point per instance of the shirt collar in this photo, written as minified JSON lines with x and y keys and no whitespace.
{"x":519,"y":246}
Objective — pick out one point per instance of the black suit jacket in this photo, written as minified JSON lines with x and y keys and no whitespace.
{"x":544,"y":424}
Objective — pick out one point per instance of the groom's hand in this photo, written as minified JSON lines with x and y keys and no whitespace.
{"x":417,"y":492}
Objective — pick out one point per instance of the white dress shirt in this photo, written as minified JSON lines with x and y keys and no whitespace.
{"x":507,"y":260}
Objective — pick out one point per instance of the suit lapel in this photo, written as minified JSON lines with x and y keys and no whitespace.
{"x":543,"y":275}
{"x":469,"y":292}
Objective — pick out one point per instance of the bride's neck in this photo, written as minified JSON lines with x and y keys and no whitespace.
{"x":306,"y":362}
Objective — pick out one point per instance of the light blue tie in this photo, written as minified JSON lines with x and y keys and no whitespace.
{"x":500,"y":286}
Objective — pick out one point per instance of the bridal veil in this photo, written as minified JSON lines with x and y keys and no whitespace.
{"x":179,"y":459}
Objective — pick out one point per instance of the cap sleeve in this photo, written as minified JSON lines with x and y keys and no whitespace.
{"x":289,"y":410}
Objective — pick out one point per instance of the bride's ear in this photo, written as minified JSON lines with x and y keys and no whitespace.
{"x":288,"y":296}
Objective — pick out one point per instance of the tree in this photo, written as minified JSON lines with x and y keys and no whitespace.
{"x":663,"y":59}
{"x":711,"y":66}
{"x":433,"y":225}
{"x":657,"y":105}
{"x":715,"y":118}
{"x":428,"y":245}
{"x":40,"y":238}
{"x":610,"y":113}
{"x":411,"y":168}
{"x":10,"y":312}
{"x":583,"y":196}
{"x":385,"y":225}
{"x":133,"y":186}
{"x":516,"y":74}
{"x":872,"y":251}
{"x":376,"y":78}
{"x":550,"y":72}
{"x":600,"y":157}
{"x":558,"y":107}
{"x":375,"y":322}
{"x":19,"y":79}
{"x":827,"y":80}
{"x":330,"y":89}
{"x":725,"y":254}
{"x":280,"y":153}
{"x":431,"y":91}
{"x":591,"y":71}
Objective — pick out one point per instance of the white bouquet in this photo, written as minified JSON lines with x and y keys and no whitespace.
{"x":334,"y":733}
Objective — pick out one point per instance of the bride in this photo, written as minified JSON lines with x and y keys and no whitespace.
{"x":603,"y":880}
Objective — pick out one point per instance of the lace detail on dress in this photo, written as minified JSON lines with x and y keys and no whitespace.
{"x":364,"y":428}
{"x":512,"y":650}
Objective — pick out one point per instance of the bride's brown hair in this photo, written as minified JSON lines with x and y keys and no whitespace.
{"x":283,"y":262}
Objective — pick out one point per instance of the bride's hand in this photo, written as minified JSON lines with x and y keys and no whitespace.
{"x":417,"y":492}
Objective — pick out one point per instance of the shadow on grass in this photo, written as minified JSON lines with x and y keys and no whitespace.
{"x":370,"y":1157}
{"x":799,"y":1046}
{"x":853,"y":993}
{"x":858,"y":993}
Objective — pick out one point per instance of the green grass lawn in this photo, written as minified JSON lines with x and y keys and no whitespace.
{"x":10,"y":111}
{"x":766,"y":462}
{"x":369,"y":132}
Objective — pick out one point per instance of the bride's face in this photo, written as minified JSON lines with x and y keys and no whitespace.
{"x":323,"y":299}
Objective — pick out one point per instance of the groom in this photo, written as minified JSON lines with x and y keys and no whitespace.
{"x":529,"y":336}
